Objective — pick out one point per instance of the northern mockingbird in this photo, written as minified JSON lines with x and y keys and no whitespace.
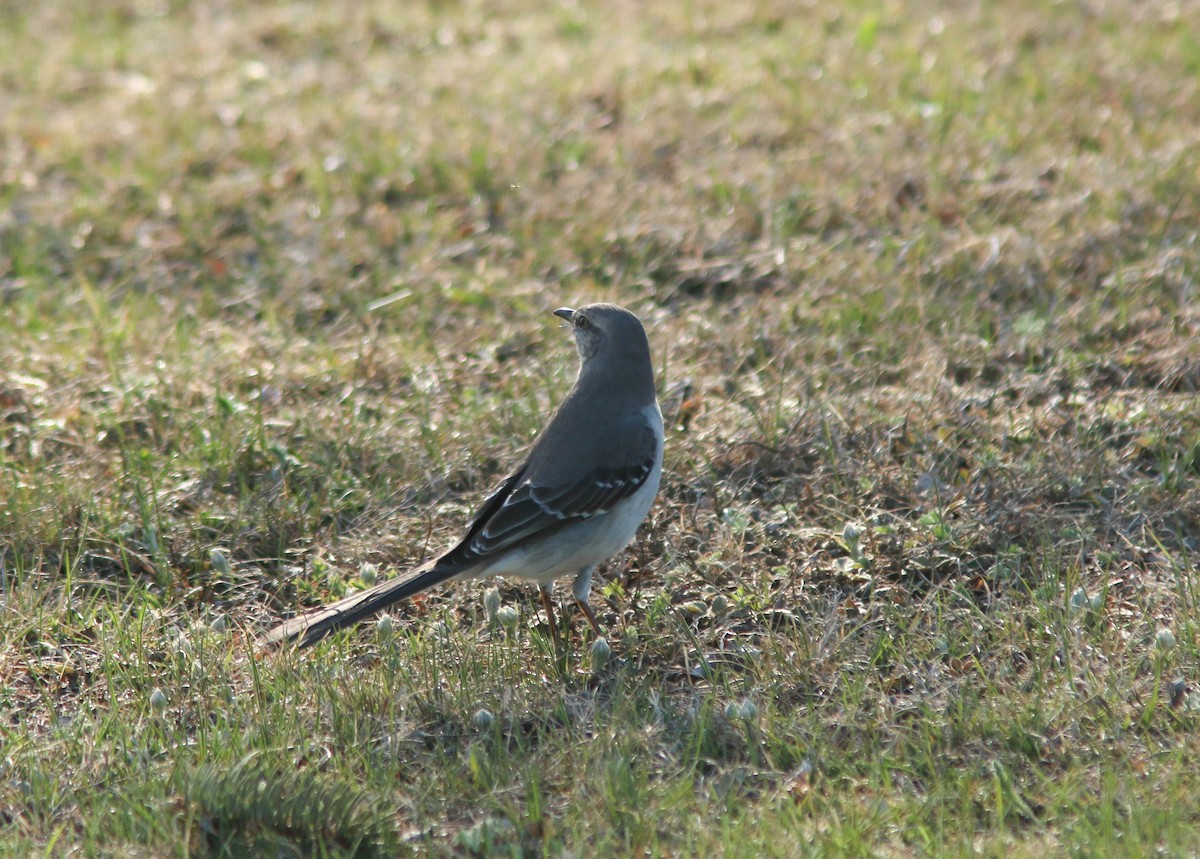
{"x":578,"y":498}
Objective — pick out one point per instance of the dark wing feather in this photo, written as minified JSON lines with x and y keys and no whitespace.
{"x":523,"y":509}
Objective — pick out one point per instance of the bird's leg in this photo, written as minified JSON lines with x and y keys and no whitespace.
{"x":581,"y":588}
{"x":545,"y":590}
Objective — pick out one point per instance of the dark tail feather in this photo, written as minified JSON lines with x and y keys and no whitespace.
{"x":310,"y":628}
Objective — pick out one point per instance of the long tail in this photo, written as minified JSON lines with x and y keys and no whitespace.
{"x":310,"y":628}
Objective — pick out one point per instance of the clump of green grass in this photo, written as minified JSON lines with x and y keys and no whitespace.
{"x":252,"y":806}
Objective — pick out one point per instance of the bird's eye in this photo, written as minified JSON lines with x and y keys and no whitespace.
{"x":582,"y":322}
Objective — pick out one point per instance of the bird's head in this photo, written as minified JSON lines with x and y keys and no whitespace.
{"x":605,"y":329}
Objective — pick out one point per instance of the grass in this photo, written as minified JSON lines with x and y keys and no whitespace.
{"x":921,"y":284}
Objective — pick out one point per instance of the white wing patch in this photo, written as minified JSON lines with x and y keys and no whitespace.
{"x":544,"y":505}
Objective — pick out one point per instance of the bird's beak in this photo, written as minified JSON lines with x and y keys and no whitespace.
{"x":565,"y":313}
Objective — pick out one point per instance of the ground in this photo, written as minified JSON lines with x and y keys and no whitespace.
{"x":920,"y":280}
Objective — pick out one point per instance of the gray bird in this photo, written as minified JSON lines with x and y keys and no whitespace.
{"x":578,"y":498}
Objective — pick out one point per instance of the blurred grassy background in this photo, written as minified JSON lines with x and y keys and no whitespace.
{"x":921,"y":283}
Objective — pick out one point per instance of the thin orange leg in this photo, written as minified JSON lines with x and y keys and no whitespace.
{"x":549,"y":607}
{"x":587,"y":610}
